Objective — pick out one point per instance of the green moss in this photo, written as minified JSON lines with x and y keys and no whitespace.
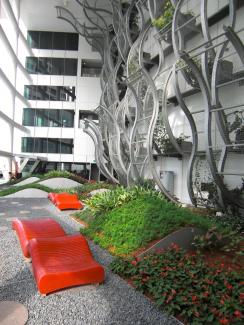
{"x":136,"y":223}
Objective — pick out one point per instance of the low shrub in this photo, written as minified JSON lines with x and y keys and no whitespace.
{"x":137,"y":222}
{"x":16,"y":189}
{"x":184,"y":285}
{"x":57,"y":173}
{"x":107,"y":201}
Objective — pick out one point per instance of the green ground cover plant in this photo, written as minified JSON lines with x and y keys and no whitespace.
{"x":16,"y":189}
{"x":135,"y":223}
{"x":185,"y":286}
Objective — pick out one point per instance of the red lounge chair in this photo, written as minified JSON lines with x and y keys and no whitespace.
{"x":63,"y":262}
{"x":69,"y":202}
{"x":37,"y":228}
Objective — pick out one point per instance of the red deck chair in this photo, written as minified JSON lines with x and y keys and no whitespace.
{"x":37,"y":228}
{"x":63,"y":262}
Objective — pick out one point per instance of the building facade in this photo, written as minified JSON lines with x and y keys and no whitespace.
{"x":50,"y":82}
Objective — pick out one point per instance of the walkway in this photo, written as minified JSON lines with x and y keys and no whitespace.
{"x":112,"y":303}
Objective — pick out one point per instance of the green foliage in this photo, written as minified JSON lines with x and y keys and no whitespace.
{"x":109,"y":200}
{"x":184,"y":285}
{"x":85,"y":215}
{"x":236,"y":221}
{"x":139,"y":221}
{"x":15,"y":189}
{"x":227,"y":241}
{"x":166,"y":17}
{"x":57,"y":173}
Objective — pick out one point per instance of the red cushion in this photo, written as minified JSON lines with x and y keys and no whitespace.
{"x":42,"y":227}
{"x":63,"y":262}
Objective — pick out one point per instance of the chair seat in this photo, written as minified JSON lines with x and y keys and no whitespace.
{"x":65,"y":201}
{"x":63,"y":262}
{"x":37,"y":228}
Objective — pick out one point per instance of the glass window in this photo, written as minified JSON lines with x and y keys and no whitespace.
{"x":70,"y":67}
{"x":46,"y":40}
{"x":59,"y":41}
{"x":72,"y":41}
{"x":47,"y":145}
{"x":67,"y":146}
{"x":91,"y":68}
{"x":52,"y":93}
{"x":28,"y":117}
{"x":33,"y":39}
{"x":68,"y":118}
{"x":57,"y":66}
{"x":53,"y":40}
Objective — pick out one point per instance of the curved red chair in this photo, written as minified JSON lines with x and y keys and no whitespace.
{"x":68,"y":202}
{"x":63,"y":262}
{"x":65,"y":201}
{"x":37,"y":228}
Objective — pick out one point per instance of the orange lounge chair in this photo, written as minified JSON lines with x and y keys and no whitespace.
{"x":68,"y":202}
{"x":37,"y":228}
{"x":65,"y":201}
{"x":63,"y":262}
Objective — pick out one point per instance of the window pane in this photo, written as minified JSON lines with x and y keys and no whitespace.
{"x":53,"y":145}
{"x":57,"y":66}
{"x":68,"y":118}
{"x":59,"y":41}
{"x":55,"y":118}
{"x":41,"y":117}
{"x":53,"y":93}
{"x":33,"y":39}
{"x":28,"y":117}
{"x":31,"y":65}
{"x":70,"y":68}
{"x":44,"y":65}
{"x":46,"y":40}
{"x":67,"y":146}
{"x":72,"y":41}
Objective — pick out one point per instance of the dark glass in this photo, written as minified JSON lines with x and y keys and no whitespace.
{"x":41,"y":117}
{"x":66,"y":146}
{"x":72,"y":41}
{"x":57,"y":66}
{"x":31,"y":65}
{"x":59,"y":41}
{"x":46,"y":42}
{"x":33,"y":39}
{"x":68,"y":118}
{"x":51,"y":66}
{"x":44,"y":145}
{"x":52,"y":93}
{"x":53,"y":40}
{"x":91,"y":68}
{"x":70,"y":67}
{"x":28,"y":117}
{"x":55,"y":118}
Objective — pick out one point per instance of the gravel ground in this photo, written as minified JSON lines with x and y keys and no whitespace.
{"x":113,"y":303}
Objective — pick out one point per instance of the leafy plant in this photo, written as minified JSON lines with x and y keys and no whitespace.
{"x":167,"y":16}
{"x":184,"y":285}
{"x":107,"y":201}
{"x":226,"y":241}
{"x":136,"y":222}
{"x":58,"y":173}
{"x":161,"y":139}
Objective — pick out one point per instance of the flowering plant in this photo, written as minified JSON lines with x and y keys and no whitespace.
{"x":184,"y":285}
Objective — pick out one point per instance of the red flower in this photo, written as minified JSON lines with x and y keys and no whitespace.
{"x":241,"y":295}
{"x":194,"y":298}
{"x":224,"y":321}
{"x":238,"y":314}
{"x":134,"y":262}
{"x":206,"y":294}
{"x":228,"y":286}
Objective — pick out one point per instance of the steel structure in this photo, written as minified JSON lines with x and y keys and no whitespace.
{"x":148,"y":72}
